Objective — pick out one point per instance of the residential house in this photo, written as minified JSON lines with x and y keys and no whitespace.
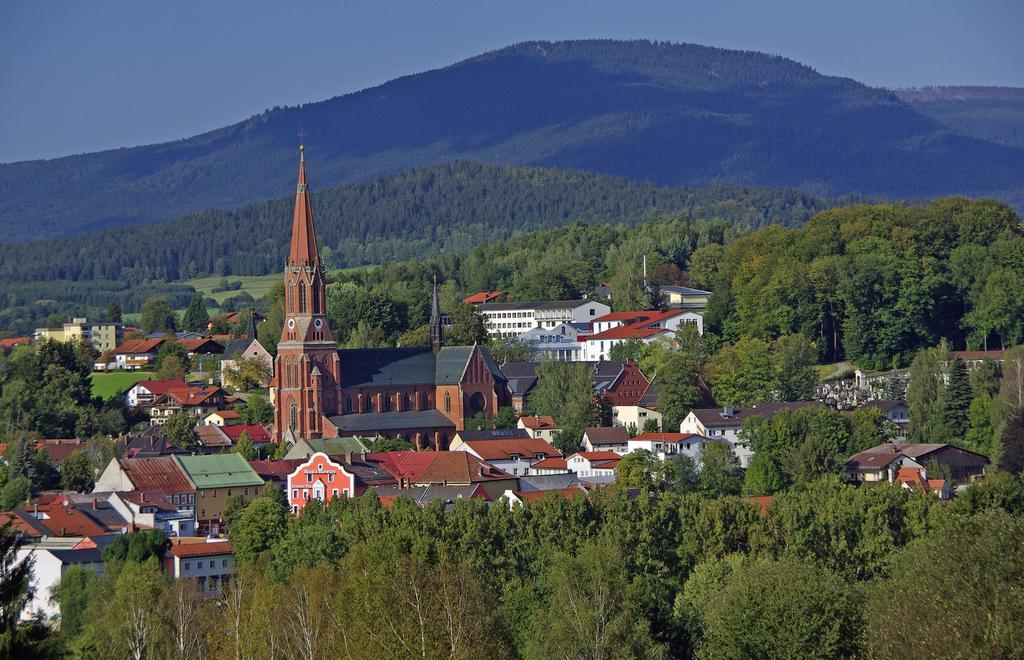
{"x":916,"y":479}
{"x":258,"y":435}
{"x":665,"y":445}
{"x":143,"y":393}
{"x":10,"y":343}
{"x":619,"y":380}
{"x":635,"y":416}
{"x":514,"y":456}
{"x":542,"y":427}
{"x":594,"y":466}
{"x":617,"y":328}
{"x":684,"y":296}
{"x":211,"y":562}
{"x":157,"y":474}
{"x":248,"y":348}
{"x":897,"y":412}
{"x":216,"y":478}
{"x":136,"y":354}
{"x":152,"y":510}
{"x":559,"y":344}
{"x":222,"y":418}
{"x":211,"y":440}
{"x":882,"y":462}
{"x":202,"y":346}
{"x":726,"y":423}
{"x":443,"y":468}
{"x":51,"y":561}
{"x":274,"y":473}
{"x":196,"y":401}
{"x":512,"y":319}
{"x":605,"y":439}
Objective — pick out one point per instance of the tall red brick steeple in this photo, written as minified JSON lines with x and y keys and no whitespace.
{"x":307,"y":370}
{"x":303,"y":250}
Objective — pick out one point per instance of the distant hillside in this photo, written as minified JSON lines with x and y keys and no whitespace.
{"x":990,"y":113}
{"x":666,"y":113}
{"x":400,"y":216}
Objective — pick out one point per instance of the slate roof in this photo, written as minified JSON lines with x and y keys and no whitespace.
{"x":607,"y":435}
{"x":650,"y":396}
{"x":548,"y":481}
{"x":424,"y":495}
{"x":329,"y":446}
{"x":371,"y":423}
{"x":78,"y":556}
{"x":882,"y":455}
{"x":236,"y":347}
{"x":390,"y":367}
{"x":218,"y":471}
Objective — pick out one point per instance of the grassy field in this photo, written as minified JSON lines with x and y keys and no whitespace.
{"x":115,"y":383}
{"x":256,"y":286}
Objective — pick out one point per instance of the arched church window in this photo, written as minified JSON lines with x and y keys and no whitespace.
{"x":302,"y":297}
{"x":387,"y":403}
{"x":293,"y":417}
{"x":348,"y":404}
{"x":447,"y":402}
{"x":314,"y":290}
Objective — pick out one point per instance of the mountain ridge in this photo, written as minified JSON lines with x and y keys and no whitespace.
{"x":671,"y":114}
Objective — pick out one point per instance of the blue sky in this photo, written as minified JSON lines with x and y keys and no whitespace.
{"x":84,"y":76}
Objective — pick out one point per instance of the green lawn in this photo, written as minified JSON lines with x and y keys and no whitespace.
{"x":256,"y":286}
{"x":109,"y":385}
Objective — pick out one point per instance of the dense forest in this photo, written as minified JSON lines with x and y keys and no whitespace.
{"x":415,"y":214}
{"x":670,"y":569}
{"x":672,"y":114}
{"x":869,"y":283}
{"x":990,"y":113}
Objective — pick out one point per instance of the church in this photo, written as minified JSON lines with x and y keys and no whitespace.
{"x":422,"y":395}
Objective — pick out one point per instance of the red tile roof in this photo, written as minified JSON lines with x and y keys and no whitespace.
{"x":257,"y":433}
{"x":161,"y":386}
{"x":136,"y":346}
{"x":193,"y":396}
{"x":636,"y":324}
{"x":763,"y":502}
{"x":550,"y":464}
{"x":211,"y":549}
{"x":426,"y":467}
{"x":496,"y":450}
{"x":538,"y":422}
{"x":11,"y":342}
{"x":482,"y":297}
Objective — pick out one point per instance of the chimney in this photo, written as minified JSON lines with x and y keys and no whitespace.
{"x":95,"y":504}
{"x":143,"y":496}
{"x":728,"y":411}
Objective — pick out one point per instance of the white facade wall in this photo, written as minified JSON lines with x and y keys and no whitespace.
{"x":730,"y":434}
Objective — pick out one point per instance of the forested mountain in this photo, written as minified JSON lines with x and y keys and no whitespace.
{"x":990,"y":113}
{"x":665,"y":113}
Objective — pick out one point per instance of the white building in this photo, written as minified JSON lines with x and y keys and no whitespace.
{"x":54,"y":556}
{"x":617,"y":328}
{"x":542,"y":427}
{"x":209,"y":561}
{"x":726,"y":423}
{"x":635,"y":416}
{"x":594,"y":465}
{"x":512,"y":319}
{"x":606,"y":439}
{"x":560,"y":343}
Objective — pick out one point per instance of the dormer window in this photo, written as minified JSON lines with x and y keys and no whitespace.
{"x":513,"y":457}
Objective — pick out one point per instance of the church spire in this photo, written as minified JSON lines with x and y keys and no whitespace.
{"x":304,"y":251}
{"x":436,"y":333}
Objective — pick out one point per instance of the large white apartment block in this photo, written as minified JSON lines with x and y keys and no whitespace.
{"x":511,"y":319}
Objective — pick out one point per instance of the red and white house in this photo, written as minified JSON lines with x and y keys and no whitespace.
{"x":647,"y":326}
{"x":319,"y":478}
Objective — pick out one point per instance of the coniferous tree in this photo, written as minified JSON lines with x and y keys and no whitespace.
{"x":15,"y":581}
{"x":196,"y":317}
{"x":957,"y":400}
{"x":114,"y":313}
